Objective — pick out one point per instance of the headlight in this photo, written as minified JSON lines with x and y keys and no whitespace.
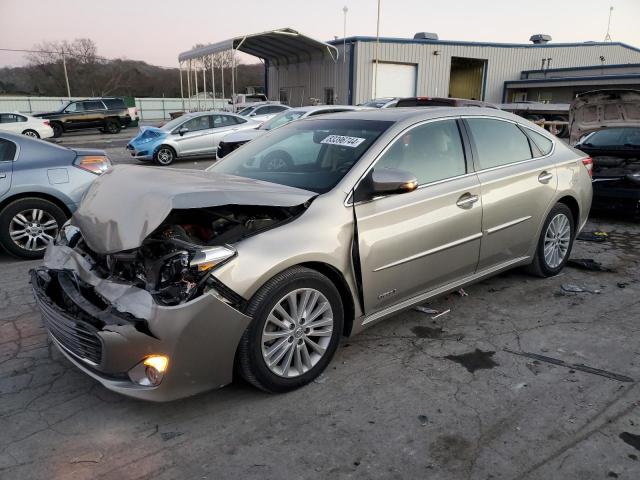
{"x":68,"y":235}
{"x":209,"y":258}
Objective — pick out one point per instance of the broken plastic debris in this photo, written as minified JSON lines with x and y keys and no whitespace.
{"x":568,"y":287}
{"x":427,"y":310}
{"x":462,"y":293}
{"x":588,"y":264}
{"x":596,"y":236}
{"x":441,"y":313}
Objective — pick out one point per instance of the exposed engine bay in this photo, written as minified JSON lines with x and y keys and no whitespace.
{"x":175,"y":261}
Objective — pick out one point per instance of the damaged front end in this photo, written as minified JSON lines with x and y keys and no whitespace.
{"x":174,"y":263}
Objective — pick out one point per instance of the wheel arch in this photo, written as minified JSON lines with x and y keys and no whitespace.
{"x":39,"y":195}
{"x":573,"y":205}
{"x":338,"y":280}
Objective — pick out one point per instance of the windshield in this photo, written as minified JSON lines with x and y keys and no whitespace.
{"x":246,"y":111}
{"x":64,"y":106}
{"x":281,"y":119}
{"x":377,"y":102}
{"x":311,"y":154}
{"x":167,"y":127}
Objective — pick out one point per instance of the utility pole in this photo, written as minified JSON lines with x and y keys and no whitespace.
{"x":204,"y":82}
{"x":181,"y":87}
{"x":344,"y":35}
{"x":66,"y":76}
{"x":377,"y":51}
{"x":607,"y":37}
{"x":213,"y":82}
{"x":189,"y":83}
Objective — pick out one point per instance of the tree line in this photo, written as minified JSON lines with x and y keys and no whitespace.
{"x":91,"y":75}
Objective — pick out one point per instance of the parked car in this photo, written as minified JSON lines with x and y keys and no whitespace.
{"x":234,"y":140}
{"x":243,"y":100}
{"x":16,"y":122}
{"x":441,"y":102}
{"x":384,"y":102}
{"x":41,"y":185}
{"x":262,"y":112}
{"x":605,"y":124}
{"x":244,"y":267}
{"x":191,"y":135}
{"x":109,"y":115}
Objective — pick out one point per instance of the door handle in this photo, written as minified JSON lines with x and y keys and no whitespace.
{"x":467,"y":200}
{"x":545,"y":177}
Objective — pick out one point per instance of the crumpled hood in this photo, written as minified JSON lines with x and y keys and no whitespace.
{"x":593,"y":111}
{"x":127,"y":203}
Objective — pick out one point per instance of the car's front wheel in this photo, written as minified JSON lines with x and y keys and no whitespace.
{"x":28,"y":225}
{"x":296,"y":328}
{"x":555,"y":242}
{"x":164,"y":156}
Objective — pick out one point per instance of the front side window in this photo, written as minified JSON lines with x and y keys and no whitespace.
{"x":431,"y":152}
{"x":498,"y":142}
{"x":203,"y":122}
{"x":7,"y":150}
{"x":74,"y":107}
{"x":312,"y":154}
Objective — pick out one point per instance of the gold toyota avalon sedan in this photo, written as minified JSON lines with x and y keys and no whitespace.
{"x":166,"y":282}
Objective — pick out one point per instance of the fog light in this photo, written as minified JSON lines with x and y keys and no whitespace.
{"x":150,"y":371}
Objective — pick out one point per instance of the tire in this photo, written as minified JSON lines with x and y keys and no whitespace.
{"x":21,"y":213}
{"x":57,"y":129}
{"x":255,"y":342}
{"x":31,"y":133}
{"x":164,"y":156}
{"x":112,"y":127}
{"x":276,"y":160}
{"x":544,"y":266}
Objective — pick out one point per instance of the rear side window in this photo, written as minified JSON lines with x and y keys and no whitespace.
{"x":431,"y":152}
{"x":93,"y":105}
{"x":114,"y":103}
{"x":11,"y":118}
{"x":223,"y":121}
{"x":7,"y":150}
{"x":498,"y":143}
{"x":543,"y":143}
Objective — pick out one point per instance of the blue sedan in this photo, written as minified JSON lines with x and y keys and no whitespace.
{"x":41,"y":185}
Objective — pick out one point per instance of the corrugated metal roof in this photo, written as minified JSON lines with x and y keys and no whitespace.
{"x":277,"y":46}
{"x":478,"y":44}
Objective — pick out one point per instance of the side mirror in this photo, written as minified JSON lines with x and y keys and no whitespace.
{"x":385,"y":181}
{"x":183,"y":130}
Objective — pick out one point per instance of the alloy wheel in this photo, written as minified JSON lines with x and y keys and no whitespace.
{"x":165,"y":156}
{"x":33,"y":229}
{"x":31,"y":133}
{"x":297,"y":332}
{"x":557,"y":239}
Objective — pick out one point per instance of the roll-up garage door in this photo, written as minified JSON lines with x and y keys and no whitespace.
{"x":395,"y":80}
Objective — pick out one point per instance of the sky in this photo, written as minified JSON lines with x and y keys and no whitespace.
{"x":157,"y":31}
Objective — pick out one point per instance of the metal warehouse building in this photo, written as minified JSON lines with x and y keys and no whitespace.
{"x":302,"y":71}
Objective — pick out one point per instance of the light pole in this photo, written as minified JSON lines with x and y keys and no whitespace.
{"x":375,"y":75}
{"x":344,"y":35}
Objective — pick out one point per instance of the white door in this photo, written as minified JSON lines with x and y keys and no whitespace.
{"x":395,"y":80}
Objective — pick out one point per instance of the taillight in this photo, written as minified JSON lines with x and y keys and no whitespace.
{"x":588,"y":164}
{"x":97,"y":164}
{"x":46,"y":122}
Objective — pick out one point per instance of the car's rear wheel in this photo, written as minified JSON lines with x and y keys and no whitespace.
{"x":555,"y":242}
{"x":296,"y":328}
{"x":164,"y":156}
{"x":31,"y":133}
{"x":28,"y":225}
{"x":57,"y":129}
{"x":112,"y":126}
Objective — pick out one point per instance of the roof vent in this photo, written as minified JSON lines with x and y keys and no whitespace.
{"x":425,"y":36}
{"x":540,"y":39}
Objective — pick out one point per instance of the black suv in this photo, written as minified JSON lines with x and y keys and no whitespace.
{"x":107,"y":114}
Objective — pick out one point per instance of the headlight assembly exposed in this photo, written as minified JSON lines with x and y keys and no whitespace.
{"x":209,"y":258}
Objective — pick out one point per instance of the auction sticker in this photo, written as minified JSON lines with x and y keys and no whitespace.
{"x":343,"y":140}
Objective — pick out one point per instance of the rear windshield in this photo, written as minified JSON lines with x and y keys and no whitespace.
{"x":310,"y":154}
{"x":614,"y":137}
{"x":424,"y":102}
{"x":377,"y":102}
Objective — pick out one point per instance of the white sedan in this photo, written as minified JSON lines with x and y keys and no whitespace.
{"x":30,"y":126}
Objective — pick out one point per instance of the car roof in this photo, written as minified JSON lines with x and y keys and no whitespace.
{"x":424,"y":113}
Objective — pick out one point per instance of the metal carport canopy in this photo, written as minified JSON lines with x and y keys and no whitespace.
{"x":275,"y":45}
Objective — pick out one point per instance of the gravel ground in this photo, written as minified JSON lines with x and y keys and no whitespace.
{"x":411,"y":397}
